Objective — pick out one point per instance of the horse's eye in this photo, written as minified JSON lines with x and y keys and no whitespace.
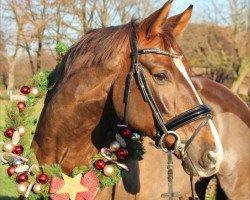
{"x":161,"y":77}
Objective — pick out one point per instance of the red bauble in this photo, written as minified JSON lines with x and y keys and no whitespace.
{"x":11,"y":170}
{"x":42,"y":178}
{"x":9,"y":132}
{"x":126,"y":133}
{"x":122,"y":153}
{"x":25,"y":89}
{"x":100,"y":164}
{"x":22,"y":178}
{"x":21,"y":105}
{"x":18,"y":150}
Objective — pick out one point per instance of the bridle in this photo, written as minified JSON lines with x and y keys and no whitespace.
{"x":165,"y":128}
{"x":136,"y":72}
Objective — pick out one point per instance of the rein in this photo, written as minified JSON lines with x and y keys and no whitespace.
{"x":166,"y":128}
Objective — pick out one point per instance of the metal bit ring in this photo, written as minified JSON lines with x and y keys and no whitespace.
{"x":176,"y":145}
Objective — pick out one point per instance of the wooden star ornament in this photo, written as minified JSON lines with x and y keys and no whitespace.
{"x":72,"y":186}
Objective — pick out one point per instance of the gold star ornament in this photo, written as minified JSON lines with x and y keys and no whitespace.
{"x":72,"y":186}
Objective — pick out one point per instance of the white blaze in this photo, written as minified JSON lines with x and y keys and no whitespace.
{"x":219,"y":149}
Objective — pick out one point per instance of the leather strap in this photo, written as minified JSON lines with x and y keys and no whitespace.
{"x":136,"y":72}
{"x":188,"y":117}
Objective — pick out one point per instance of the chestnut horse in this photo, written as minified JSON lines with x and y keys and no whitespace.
{"x":88,"y":99}
{"x":231,"y":117}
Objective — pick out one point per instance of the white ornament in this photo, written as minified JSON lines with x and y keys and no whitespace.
{"x":22,"y":168}
{"x":15,"y":138}
{"x":119,"y":138}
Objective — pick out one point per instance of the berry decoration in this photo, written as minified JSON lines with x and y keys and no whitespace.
{"x":122,"y":153}
{"x":126,"y":133}
{"x":18,"y":150}
{"x":9,"y":132}
{"x":42,"y":178}
{"x":22,"y":178}
{"x":21,"y":105}
{"x":11,"y":170}
{"x":25,"y":89}
{"x":100,"y":164}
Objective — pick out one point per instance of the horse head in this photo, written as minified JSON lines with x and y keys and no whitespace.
{"x":169,"y":91}
{"x":95,"y":71}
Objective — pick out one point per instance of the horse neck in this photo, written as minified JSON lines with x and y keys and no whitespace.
{"x":72,"y":124}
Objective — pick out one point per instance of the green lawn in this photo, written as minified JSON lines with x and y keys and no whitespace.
{"x":7,"y":185}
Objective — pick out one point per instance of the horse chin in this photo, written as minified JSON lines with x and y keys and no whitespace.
{"x":196,"y":170}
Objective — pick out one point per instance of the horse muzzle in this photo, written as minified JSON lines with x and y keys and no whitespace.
{"x":197,"y":160}
{"x":206,"y":166}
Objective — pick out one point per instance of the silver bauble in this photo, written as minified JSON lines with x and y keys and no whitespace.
{"x":114,"y":146}
{"x":17,"y":162}
{"x":136,"y":137}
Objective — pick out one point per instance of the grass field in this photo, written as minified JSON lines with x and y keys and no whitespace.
{"x":8,"y":186}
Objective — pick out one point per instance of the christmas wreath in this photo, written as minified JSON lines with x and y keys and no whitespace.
{"x":48,"y":181}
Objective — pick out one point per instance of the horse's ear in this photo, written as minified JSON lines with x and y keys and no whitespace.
{"x":152,"y":25}
{"x":179,"y":22}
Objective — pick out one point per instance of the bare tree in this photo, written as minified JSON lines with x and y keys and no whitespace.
{"x":39,"y":25}
{"x":221,"y":44}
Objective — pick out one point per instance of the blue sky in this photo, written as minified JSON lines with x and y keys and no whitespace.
{"x":200,"y":10}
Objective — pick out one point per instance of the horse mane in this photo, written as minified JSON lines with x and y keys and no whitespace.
{"x":95,"y":47}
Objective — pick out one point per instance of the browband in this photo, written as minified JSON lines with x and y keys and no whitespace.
{"x":159,"y":51}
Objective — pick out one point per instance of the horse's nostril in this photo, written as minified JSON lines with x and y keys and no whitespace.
{"x":208,"y":160}
{"x":212,"y":157}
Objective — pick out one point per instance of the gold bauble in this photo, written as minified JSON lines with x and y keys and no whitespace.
{"x":21,"y":130}
{"x":37,"y":188}
{"x":35,"y":91}
{"x":22,"y":188}
{"x":8,"y":147}
{"x":108,"y":170}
